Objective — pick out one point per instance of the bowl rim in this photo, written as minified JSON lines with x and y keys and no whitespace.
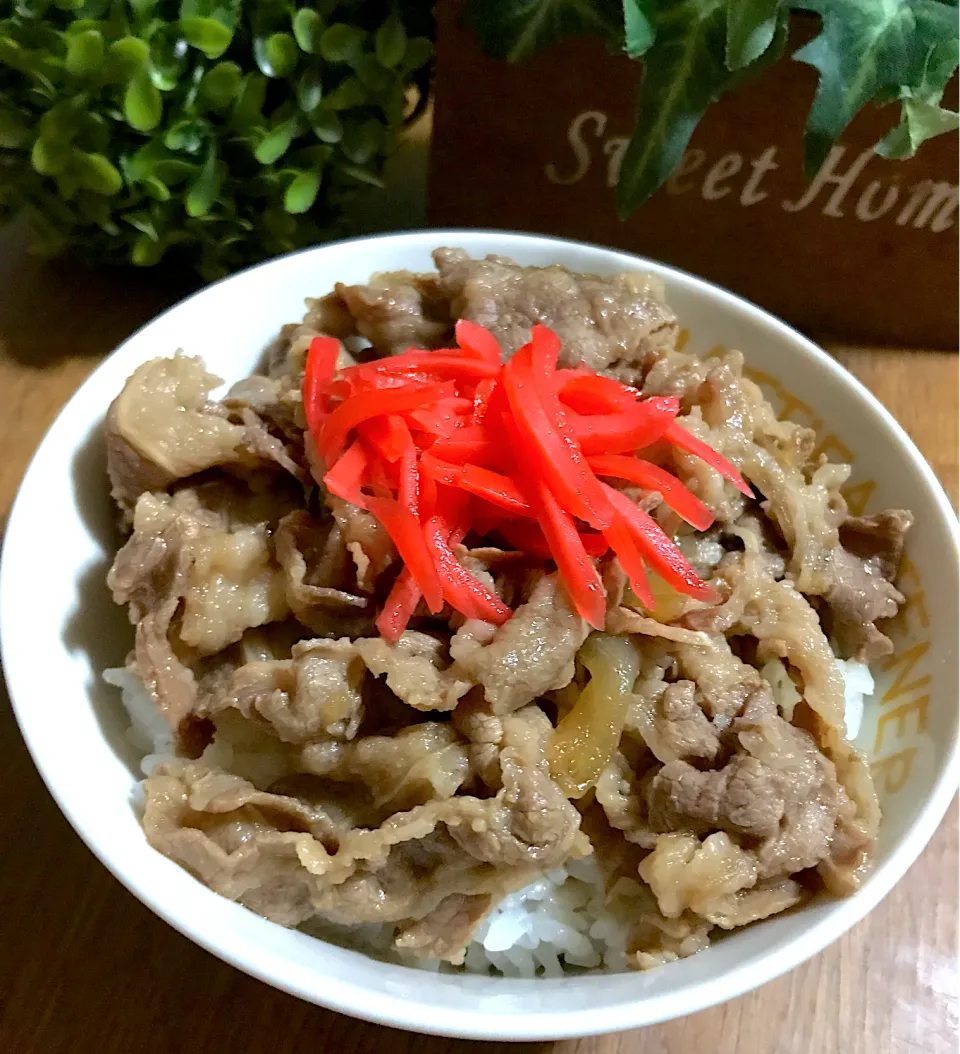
{"x":391,"y":1010}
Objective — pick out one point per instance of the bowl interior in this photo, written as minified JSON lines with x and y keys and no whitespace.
{"x":57,"y":639}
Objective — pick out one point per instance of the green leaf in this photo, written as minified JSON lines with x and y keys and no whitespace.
{"x":637,"y":30}
{"x":125,"y":58}
{"x":309,"y":90}
{"x":919,"y":121}
{"x":516,"y":29}
{"x":869,"y":52}
{"x":307,"y":30}
{"x":921,"y":116}
{"x":390,"y":43}
{"x":683,"y":73}
{"x":326,"y":126}
{"x":378,"y":80}
{"x":146,"y":251}
{"x":84,"y":53}
{"x":96,"y":173}
{"x":156,"y":189}
{"x":342,"y":43}
{"x":204,"y":190}
{"x":141,"y":220}
{"x":49,"y":158}
{"x":277,"y":55}
{"x":418,"y":53}
{"x":227,"y":12}
{"x":347,"y":94}
{"x":750,"y":28}
{"x":248,"y":109}
{"x":169,"y":56}
{"x":277,"y":141}
{"x":61,"y":122}
{"x":219,"y":85}
{"x":142,"y":104}
{"x":362,"y":142}
{"x":206,"y":35}
{"x":302,"y":192}
{"x":188,"y":135}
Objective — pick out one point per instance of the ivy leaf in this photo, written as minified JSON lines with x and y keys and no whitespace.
{"x":919,"y":121}
{"x":516,"y":29}
{"x":637,"y":31}
{"x":683,"y":74}
{"x":750,"y":28}
{"x":921,"y":116}
{"x":875,"y":52}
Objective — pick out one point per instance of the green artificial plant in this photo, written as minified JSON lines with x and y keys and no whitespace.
{"x":867,"y":52}
{"x":217,"y":131}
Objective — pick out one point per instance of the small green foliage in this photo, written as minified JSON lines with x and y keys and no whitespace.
{"x":219,"y":131}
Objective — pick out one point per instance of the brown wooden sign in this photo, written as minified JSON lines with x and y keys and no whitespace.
{"x":867,"y":250}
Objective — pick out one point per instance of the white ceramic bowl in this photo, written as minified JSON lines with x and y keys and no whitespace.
{"x":59,"y":630}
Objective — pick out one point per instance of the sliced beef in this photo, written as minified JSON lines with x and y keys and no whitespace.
{"x":397,"y":311}
{"x":715,"y":879}
{"x":293,"y":861}
{"x":617,"y":324}
{"x":162,"y":428}
{"x":620,"y":792}
{"x":531,"y":654}
{"x":781,"y":792}
{"x":366,"y":541}
{"x":446,"y":931}
{"x":315,"y":694}
{"x":315,"y":577}
{"x":862,"y":590}
{"x":417,"y":670}
{"x":674,"y":726}
{"x":530,"y":820}
{"x":419,"y":763}
{"x":195,"y":577}
{"x":150,"y":575}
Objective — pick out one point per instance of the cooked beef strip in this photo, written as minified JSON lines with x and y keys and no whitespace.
{"x":416,"y":670}
{"x":529,"y":655}
{"x":615,"y":324}
{"x":862,"y":591}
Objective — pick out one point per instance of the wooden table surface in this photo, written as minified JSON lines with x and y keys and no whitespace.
{"x":84,"y":967}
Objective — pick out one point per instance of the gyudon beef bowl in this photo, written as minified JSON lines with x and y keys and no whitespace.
{"x":520,"y":643}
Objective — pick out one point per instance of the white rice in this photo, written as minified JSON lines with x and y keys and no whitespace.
{"x":564,"y":920}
